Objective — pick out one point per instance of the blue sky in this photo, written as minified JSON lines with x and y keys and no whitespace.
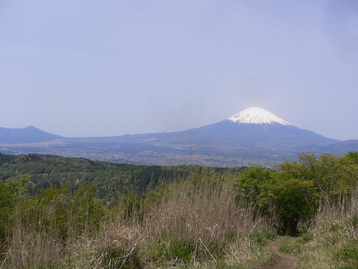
{"x":105,"y":68}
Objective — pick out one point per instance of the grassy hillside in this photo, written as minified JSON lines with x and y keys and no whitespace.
{"x":190,"y":217}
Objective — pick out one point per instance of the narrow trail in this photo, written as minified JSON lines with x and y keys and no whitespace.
{"x":281,"y":260}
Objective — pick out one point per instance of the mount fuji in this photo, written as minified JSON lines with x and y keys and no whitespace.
{"x":251,"y":128}
{"x":253,"y":135}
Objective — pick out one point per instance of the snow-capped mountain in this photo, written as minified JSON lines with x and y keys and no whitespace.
{"x":256,"y":115}
{"x":252,"y":127}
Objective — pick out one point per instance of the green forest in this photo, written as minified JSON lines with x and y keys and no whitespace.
{"x":58,"y":212}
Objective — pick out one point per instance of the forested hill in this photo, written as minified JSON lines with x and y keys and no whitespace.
{"x":110,"y":179}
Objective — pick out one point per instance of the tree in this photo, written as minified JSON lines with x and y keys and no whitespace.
{"x":332,"y":175}
{"x":280,"y":196}
{"x":296,"y":202}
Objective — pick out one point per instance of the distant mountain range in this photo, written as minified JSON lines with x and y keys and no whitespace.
{"x":251,"y":136}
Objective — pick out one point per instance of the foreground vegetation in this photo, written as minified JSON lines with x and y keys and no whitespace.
{"x":199,"y":217}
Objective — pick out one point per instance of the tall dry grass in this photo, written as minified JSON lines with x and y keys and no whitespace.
{"x":204,"y":211}
{"x":202,"y":220}
{"x":336,"y":211}
{"x":31,"y":244}
{"x":332,"y":240}
{"x":194,"y":223}
{"x":116,"y":246}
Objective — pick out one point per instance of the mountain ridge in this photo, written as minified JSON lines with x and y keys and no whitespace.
{"x":29,"y":134}
{"x":253,"y":135}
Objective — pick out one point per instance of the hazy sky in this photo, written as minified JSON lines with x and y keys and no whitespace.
{"x":111,"y":67}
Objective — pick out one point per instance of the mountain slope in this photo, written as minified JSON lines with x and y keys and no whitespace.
{"x":227,"y":133}
{"x":340,"y":148}
{"x":29,"y":134}
{"x":251,"y":127}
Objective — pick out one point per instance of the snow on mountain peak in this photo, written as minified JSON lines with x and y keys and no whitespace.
{"x":256,"y":115}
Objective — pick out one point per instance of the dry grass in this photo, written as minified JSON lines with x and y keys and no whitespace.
{"x":200,"y":221}
{"x":115,"y":247}
{"x":192,"y":224}
{"x":209,"y":212}
{"x":33,"y":250}
{"x":332,"y":240}
{"x":31,"y":245}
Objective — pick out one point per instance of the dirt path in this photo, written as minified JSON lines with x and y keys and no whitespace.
{"x":281,"y":260}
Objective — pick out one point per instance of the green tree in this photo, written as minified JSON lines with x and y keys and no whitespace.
{"x":296,"y":202}
{"x":254,"y":183}
{"x":89,"y":212}
{"x":332,"y":175}
{"x":279,"y":196}
{"x":353,"y":156}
